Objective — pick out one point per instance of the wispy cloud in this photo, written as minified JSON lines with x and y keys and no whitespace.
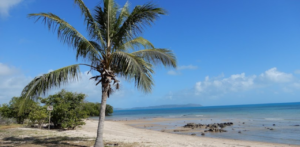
{"x":7,"y":70}
{"x":297,"y":71}
{"x":6,"y":5}
{"x":187,"y":67}
{"x":12,"y":82}
{"x":180,"y":68}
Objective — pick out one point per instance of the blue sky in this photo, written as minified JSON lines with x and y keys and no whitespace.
{"x":229,"y":52}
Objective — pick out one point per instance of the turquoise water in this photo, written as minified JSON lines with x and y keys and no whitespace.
{"x":256,"y":118}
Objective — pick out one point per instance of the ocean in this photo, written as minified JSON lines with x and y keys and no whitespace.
{"x":251,"y":122}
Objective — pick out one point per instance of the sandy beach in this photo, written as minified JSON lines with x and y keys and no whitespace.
{"x":120,"y":131}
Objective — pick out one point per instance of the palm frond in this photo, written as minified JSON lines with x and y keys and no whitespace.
{"x":140,"y":17}
{"x":67,"y":33}
{"x":92,"y":26}
{"x":84,"y":52}
{"x":131,"y":66}
{"x":41,"y":84}
{"x":157,"y":56}
{"x":124,"y":13}
{"x":138,"y":43}
{"x":101,"y":17}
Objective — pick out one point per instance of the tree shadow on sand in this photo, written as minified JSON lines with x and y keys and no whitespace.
{"x":44,"y":141}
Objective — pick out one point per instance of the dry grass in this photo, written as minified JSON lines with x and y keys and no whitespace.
{"x":10,"y":126}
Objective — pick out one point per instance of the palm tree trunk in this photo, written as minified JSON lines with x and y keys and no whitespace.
{"x":99,"y":140}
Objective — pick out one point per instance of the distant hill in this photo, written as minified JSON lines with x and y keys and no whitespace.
{"x":162,"y":106}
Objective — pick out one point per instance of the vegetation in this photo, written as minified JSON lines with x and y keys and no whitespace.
{"x":13,"y":109}
{"x":67,"y":109}
{"x":68,"y":113}
{"x":114,"y":48}
{"x":38,"y":116}
{"x":93,"y":109}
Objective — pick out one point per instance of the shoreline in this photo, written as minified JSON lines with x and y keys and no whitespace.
{"x":122,"y":131}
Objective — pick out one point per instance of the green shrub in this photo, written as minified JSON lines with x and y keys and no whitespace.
{"x":68,"y":110}
{"x":93,"y":109}
{"x":38,"y":116}
{"x":18,"y":108}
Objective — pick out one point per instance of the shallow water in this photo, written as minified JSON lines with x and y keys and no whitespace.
{"x":256,"y":119}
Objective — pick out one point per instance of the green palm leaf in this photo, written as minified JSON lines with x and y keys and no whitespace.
{"x":67,"y":33}
{"x":140,"y":17}
{"x":157,"y":56}
{"x":133,"y":67}
{"x":124,"y":13}
{"x":136,"y":43}
{"x":92,"y":26}
{"x":41,"y":84}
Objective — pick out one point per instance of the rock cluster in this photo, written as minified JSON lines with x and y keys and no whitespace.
{"x":216,"y":127}
{"x":193,"y":125}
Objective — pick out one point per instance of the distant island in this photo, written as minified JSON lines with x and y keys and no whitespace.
{"x":162,"y":106}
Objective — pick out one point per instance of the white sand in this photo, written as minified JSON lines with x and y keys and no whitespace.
{"x":120,"y":132}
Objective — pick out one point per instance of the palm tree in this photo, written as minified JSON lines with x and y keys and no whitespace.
{"x":114,"y":49}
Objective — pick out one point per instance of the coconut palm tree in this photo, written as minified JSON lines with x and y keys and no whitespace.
{"x":114,"y":49}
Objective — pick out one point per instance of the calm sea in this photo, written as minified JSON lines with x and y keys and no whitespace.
{"x":251,"y":120}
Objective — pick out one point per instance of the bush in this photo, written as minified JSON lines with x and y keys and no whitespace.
{"x":67,"y":109}
{"x":18,"y":108}
{"x":93,"y":109}
{"x":38,"y":116}
{"x":109,"y":110}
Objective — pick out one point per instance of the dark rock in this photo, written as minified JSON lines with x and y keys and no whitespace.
{"x":193,"y":134}
{"x":215,"y":127}
{"x":112,"y":144}
{"x":203,"y":134}
{"x":274,"y":125}
{"x":215,"y":130}
{"x":178,"y":130}
{"x":239,"y":132}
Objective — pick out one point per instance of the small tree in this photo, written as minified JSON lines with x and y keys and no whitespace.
{"x":68,"y":110}
{"x":15,"y":109}
{"x":109,"y":110}
{"x":93,"y":109}
{"x":38,"y":115}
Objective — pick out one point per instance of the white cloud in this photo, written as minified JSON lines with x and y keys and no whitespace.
{"x":6,"y":5}
{"x":297,"y":71}
{"x":187,"y":67}
{"x":12,"y":82}
{"x":276,"y":76}
{"x":6,"y":70}
{"x":240,"y":82}
{"x":180,"y":68}
{"x":234,"y":83}
{"x":173,"y":72}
